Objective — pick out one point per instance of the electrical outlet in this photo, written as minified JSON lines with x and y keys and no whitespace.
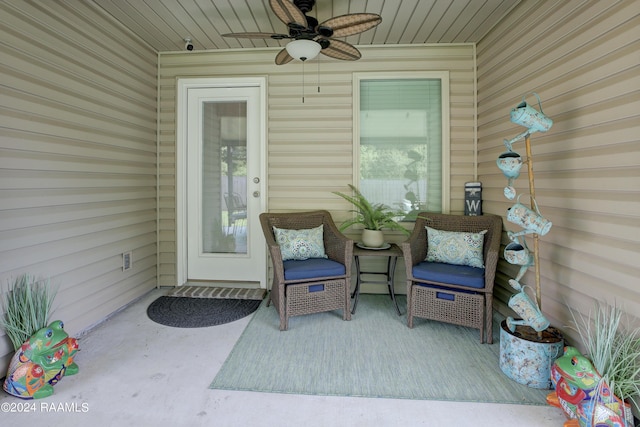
{"x":127,"y":261}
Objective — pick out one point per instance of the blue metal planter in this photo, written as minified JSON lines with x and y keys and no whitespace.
{"x":529,"y":362}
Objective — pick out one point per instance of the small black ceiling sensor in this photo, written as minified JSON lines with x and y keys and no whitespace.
{"x":187,"y":44}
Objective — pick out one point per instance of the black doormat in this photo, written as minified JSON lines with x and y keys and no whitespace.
{"x":183,"y":312}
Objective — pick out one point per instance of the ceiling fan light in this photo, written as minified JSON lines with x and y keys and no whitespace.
{"x":303,"y":50}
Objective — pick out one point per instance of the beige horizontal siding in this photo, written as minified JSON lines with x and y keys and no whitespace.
{"x":582,"y":58}
{"x":310,"y":144}
{"x":77,"y":158}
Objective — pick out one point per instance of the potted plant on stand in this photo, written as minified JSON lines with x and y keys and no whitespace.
{"x":373,"y":217}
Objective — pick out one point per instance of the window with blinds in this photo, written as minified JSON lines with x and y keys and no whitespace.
{"x":401,"y":142}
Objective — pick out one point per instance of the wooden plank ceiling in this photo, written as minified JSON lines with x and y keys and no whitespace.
{"x":164,"y":24}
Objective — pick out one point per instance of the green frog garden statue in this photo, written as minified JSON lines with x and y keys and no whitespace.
{"x":584,"y":397}
{"x":41,"y":362}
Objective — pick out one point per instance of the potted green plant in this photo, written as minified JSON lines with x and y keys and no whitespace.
{"x":374,"y":217}
{"x":27,"y":306}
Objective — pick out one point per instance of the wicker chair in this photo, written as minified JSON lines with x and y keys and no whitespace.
{"x":314,"y":285}
{"x":461,"y":295}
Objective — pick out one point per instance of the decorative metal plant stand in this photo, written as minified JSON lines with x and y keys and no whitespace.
{"x":529,"y":346}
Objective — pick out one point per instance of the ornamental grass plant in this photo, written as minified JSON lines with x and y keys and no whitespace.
{"x":613,"y":348}
{"x":26,"y":306}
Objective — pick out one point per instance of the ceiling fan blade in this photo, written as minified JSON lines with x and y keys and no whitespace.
{"x":341,"y":50}
{"x":283,"y":57}
{"x":288,"y":13}
{"x":257,"y":36}
{"x":347,"y":25}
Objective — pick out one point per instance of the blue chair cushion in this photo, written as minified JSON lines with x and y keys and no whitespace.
{"x":312,"y":268}
{"x":462,"y":275}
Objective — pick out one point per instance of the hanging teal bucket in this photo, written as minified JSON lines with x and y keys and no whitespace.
{"x":529,"y":362}
{"x":527,"y":116}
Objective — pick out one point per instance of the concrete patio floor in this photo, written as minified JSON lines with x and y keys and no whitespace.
{"x":134,"y":372}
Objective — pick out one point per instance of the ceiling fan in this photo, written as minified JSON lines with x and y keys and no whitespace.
{"x":305,"y":30}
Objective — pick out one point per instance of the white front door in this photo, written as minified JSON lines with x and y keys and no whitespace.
{"x":224,"y":181}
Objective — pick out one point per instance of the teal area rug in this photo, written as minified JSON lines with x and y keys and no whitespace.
{"x":373,"y":355}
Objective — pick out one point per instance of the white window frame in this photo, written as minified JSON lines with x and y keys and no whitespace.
{"x":443,"y":76}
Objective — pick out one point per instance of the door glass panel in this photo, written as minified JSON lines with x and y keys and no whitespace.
{"x":224,"y":177}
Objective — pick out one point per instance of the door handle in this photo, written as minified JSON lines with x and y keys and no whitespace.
{"x":256,"y":194}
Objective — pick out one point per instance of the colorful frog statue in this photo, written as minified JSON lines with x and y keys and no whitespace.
{"x":582,"y":394}
{"x":41,"y":362}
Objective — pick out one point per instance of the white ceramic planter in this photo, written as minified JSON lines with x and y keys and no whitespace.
{"x":372,"y":238}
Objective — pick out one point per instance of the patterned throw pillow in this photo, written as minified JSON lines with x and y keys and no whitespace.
{"x":300,"y":244}
{"x":455,"y":247}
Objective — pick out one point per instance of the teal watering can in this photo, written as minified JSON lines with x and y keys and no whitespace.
{"x":527,"y":116}
{"x":510,"y":164}
{"x":526,"y":309}
{"x":531,"y":220}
